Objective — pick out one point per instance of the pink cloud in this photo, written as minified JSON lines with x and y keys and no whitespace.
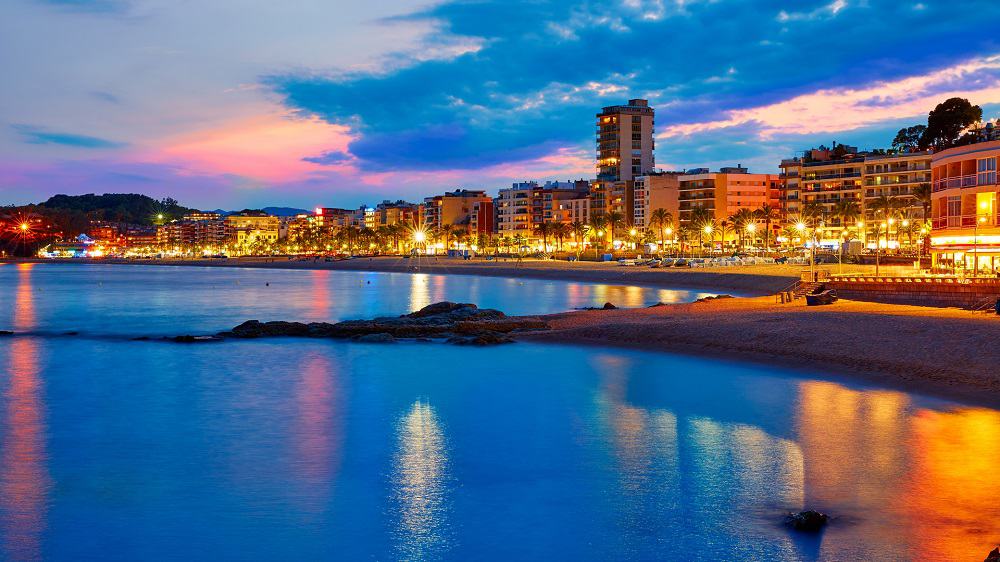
{"x":845,"y":109}
{"x":263,"y":148}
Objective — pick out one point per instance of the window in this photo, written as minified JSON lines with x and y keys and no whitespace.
{"x":987,"y":168}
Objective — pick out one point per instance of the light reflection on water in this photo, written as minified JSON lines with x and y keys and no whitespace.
{"x":24,"y":480}
{"x":150,"y":300}
{"x":318,"y":449}
{"x":420,"y":485}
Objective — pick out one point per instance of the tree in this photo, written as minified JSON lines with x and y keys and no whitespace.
{"x":922,"y":193}
{"x":767,"y":214}
{"x":740,"y":220}
{"x":614,"y":220}
{"x":947,"y":121}
{"x":579,"y":230}
{"x":908,"y":138}
{"x":701,"y":219}
{"x":595,"y":231}
{"x":847,"y":210}
{"x":812,"y":212}
{"x":661,"y":219}
{"x":544,"y":229}
{"x":560,"y":231}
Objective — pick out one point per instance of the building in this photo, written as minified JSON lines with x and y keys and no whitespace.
{"x":332,"y":219}
{"x":524,"y":206}
{"x":399,"y":212}
{"x":202,"y":216}
{"x":896,"y":176}
{"x":452,"y":208}
{"x":725,"y":192}
{"x":655,"y":191}
{"x":483,"y":219}
{"x":250,"y":229}
{"x":965,"y":232}
{"x":625,"y":141}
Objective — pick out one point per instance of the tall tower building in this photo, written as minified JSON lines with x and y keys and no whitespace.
{"x":625,"y":141}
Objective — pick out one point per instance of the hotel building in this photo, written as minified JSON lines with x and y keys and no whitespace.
{"x":248,"y":229}
{"x":625,"y":141}
{"x":725,"y":192}
{"x":452,"y":208}
{"x":655,"y":191}
{"x":965,"y":231}
{"x":524,"y":206}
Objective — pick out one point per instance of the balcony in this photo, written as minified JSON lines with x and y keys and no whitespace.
{"x":970,"y":180}
{"x":963,"y":221}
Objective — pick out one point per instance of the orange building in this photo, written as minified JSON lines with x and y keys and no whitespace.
{"x":965,"y":232}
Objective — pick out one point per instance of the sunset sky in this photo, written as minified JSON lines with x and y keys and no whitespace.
{"x":235,"y":104}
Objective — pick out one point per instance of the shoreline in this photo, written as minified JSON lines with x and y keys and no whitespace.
{"x":939,"y":352}
{"x":749,"y":281}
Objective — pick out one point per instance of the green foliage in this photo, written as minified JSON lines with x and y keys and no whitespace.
{"x":114,"y":207}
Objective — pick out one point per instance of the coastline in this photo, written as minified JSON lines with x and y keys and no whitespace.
{"x":749,"y":281}
{"x":939,"y":352}
{"x":943,"y":353}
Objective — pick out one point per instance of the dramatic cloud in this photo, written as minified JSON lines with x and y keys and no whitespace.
{"x":338,"y":103}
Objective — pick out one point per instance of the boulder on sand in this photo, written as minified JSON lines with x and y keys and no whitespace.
{"x":993,"y":556}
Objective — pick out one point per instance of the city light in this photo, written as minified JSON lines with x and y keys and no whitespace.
{"x":633,"y":232}
{"x":24,"y":227}
{"x":800,"y":226}
{"x":419,"y":236}
{"x":708,"y":229}
{"x":751,"y":228}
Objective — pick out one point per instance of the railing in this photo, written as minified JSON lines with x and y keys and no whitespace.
{"x":963,"y":221}
{"x":969,"y":180}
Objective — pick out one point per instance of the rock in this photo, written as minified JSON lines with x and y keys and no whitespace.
{"x":807,"y":521}
{"x":6,"y":333}
{"x":377,"y":338}
{"x":993,"y":556}
{"x":609,"y":306}
{"x":141,"y":338}
{"x":196,"y":339}
{"x":438,"y":308}
{"x":657,"y":305}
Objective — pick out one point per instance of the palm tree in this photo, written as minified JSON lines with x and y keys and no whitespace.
{"x":812,"y":212}
{"x":701,"y":219}
{"x":519,"y":241}
{"x":560,"y":230}
{"x":544,"y":229}
{"x":847,"y":210}
{"x":767,"y":214}
{"x":724,"y":226}
{"x":661,"y":219}
{"x":740,"y":220}
{"x":579,"y":230}
{"x":595,"y":231}
{"x":614,"y":220}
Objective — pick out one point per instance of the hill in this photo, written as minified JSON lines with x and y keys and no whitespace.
{"x":117,"y":207}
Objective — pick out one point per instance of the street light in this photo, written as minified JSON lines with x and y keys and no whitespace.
{"x":975,"y":245}
{"x":24,"y":227}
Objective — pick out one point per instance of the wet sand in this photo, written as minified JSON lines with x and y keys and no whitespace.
{"x":946,"y":352}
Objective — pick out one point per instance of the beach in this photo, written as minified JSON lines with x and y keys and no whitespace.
{"x":945,"y":352}
{"x":752,"y":280}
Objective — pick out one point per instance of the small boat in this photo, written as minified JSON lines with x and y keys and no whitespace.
{"x":820,"y":298}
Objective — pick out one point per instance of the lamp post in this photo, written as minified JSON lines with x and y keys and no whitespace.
{"x":975,"y":245}
{"x":632,"y":232}
{"x":669,"y":232}
{"x":801,"y":227}
{"x":878,"y":245}
{"x":751,"y":230}
{"x":708,"y":231}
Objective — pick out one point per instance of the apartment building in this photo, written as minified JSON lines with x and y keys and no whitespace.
{"x":625,"y":141}
{"x":964,"y":207}
{"x":452,"y":208}
{"x":484,"y":217}
{"x":725,"y":192}
{"x":655,"y":191}
{"x":897,"y":177}
{"x":399,"y":212}
{"x":245,"y":230}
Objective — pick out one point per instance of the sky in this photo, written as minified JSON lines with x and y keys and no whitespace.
{"x":250,"y":103}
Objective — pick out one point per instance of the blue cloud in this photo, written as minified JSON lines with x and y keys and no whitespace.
{"x":100,"y":6}
{"x":544,"y":68}
{"x":36,"y":135}
{"x":329,"y":158}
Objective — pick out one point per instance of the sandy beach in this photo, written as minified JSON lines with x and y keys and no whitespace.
{"x":743,"y":280}
{"x":945,"y":352}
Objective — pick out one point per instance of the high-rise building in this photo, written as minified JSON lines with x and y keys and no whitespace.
{"x":964,"y":207}
{"x":724,"y":193}
{"x":625,"y":141}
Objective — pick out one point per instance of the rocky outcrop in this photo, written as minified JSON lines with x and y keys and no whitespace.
{"x":993,"y":556}
{"x":459,"y":323}
{"x":807,"y":521}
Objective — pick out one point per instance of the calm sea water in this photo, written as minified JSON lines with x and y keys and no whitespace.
{"x":304,"y":449}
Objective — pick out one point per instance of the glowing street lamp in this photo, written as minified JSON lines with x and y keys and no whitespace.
{"x":24,"y":227}
{"x":800,"y":226}
{"x":419,"y":236}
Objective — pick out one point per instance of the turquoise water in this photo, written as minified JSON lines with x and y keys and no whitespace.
{"x":305,"y":449}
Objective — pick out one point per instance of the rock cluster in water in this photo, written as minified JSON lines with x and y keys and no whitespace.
{"x":457,"y":323}
{"x":807,"y":521}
